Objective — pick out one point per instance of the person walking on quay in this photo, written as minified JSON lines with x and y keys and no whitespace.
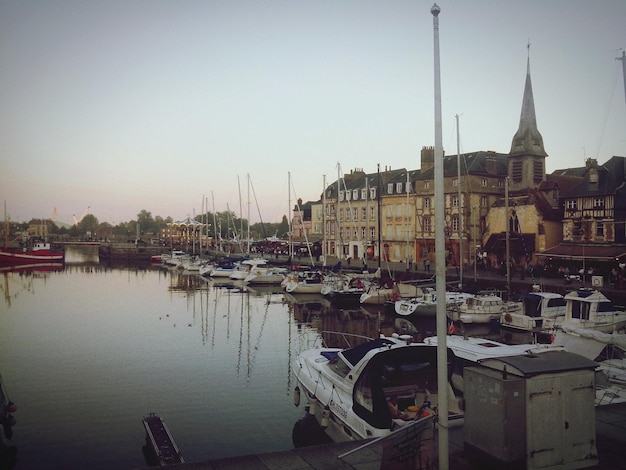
{"x":427,"y":265}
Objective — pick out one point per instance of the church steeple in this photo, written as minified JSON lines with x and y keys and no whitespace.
{"x":527,"y":139}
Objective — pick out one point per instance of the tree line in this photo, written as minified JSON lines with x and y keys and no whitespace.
{"x":224,"y":224}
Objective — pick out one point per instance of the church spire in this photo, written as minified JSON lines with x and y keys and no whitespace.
{"x":527,"y":139}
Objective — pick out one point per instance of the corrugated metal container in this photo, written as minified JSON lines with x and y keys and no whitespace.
{"x":532,"y":411}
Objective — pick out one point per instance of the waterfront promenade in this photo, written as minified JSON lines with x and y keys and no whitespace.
{"x":610,"y":441}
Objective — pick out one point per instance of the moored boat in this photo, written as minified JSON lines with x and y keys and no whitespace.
{"x":537,"y":306}
{"x":469,"y":351}
{"x":38,"y":252}
{"x":370,"y":389}
{"x":483,"y":308}
{"x":426,"y":304}
{"x":303,"y":282}
{"x":589,"y":308}
{"x":608,"y":350}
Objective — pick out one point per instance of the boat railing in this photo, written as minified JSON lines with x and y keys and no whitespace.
{"x":312,"y":339}
{"x":338,"y":339}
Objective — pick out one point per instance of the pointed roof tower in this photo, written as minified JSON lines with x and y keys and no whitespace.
{"x":527,"y":139}
{"x":527,"y":158}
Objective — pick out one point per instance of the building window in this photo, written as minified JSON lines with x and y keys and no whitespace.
{"x":341,"y":196}
{"x":426,"y":224}
{"x":389,"y":210}
{"x":600,"y":229}
{"x":455,"y":182}
{"x":364,"y":194}
{"x":426,"y":184}
{"x":571,"y":204}
{"x":455,"y":223}
{"x":390,"y":188}
{"x":598,"y":203}
{"x":348,"y":193}
{"x":355,"y":194}
{"x":426,"y":203}
{"x":347,"y":213}
{"x":372,"y":213}
{"x":455,"y":201}
{"x":363,"y":233}
{"x":372,"y":233}
{"x":356,"y":233}
{"x":399,"y":188}
{"x":483,"y":201}
{"x":364,"y":213}
{"x":372,"y":193}
{"x":483,"y":182}
{"x":355,"y":213}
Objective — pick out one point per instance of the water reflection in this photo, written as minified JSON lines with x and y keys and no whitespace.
{"x":92,"y":347}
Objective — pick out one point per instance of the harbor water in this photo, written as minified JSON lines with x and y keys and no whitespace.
{"x":87,"y":350}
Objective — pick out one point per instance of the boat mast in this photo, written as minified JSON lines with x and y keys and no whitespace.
{"x":324,"y":241}
{"x":378,"y":190}
{"x":407,"y":220}
{"x":290,"y":212}
{"x":339,"y":247}
{"x":440,"y":267}
{"x":248,"y":235}
{"x":6,"y":226}
{"x":460,"y":207}
{"x":623,"y":59}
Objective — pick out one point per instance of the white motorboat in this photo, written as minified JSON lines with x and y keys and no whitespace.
{"x":303,"y":282}
{"x":426,"y":304}
{"x":589,"y":308}
{"x":223,"y":270}
{"x":173,"y":258}
{"x":608,"y":350}
{"x":379,"y":293}
{"x":483,"y":308}
{"x":471,"y":350}
{"x":262,"y":273}
{"x":537,"y":306}
{"x":349,"y":390}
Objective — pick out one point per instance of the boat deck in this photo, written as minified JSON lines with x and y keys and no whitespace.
{"x":161,"y":441}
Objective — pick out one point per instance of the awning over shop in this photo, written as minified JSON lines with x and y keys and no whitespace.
{"x":519,"y":243}
{"x":580,"y":252}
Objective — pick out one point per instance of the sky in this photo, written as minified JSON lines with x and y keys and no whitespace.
{"x":114,"y":107}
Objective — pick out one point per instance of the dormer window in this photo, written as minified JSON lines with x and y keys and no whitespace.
{"x":341,"y":196}
{"x":355,"y":194}
{"x":399,"y":188}
{"x":364,"y":194}
{"x":390,"y":188}
{"x":372,"y":193}
{"x":593,"y":176}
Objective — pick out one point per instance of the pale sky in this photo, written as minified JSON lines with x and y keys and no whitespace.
{"x":120,"y":106}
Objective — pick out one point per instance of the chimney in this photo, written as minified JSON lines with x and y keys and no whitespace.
{"x":427,"y":158}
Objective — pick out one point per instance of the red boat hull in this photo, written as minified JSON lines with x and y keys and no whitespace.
{"x":17,"y":257}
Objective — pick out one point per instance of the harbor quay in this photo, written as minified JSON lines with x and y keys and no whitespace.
{"x":610,"y":422}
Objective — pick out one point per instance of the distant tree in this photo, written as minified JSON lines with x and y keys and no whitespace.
{"x":283,"y":228}
{"x":89,"y":223}
{"x":145,"y":221}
